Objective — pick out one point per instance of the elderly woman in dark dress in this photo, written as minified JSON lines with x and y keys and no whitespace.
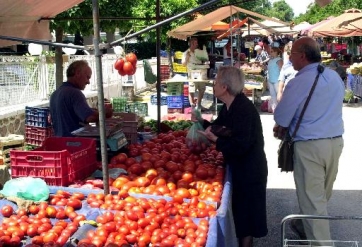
{"x":243,"y":151}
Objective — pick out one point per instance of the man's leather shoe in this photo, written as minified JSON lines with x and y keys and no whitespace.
{"x":296,"y":226}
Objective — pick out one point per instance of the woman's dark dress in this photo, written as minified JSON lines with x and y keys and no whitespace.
{"x":244,"y":153}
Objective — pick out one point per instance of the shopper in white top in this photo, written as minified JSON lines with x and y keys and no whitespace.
{"x":189,"y":59}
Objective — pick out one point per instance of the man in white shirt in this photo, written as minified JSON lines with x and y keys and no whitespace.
{"x":189,"y":59}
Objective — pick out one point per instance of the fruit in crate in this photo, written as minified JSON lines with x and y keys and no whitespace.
{"x":251,"y":67}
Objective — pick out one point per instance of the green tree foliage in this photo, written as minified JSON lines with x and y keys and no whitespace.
{"x":147,"y":8}
{"x":315,"y":13}
{"x":282,"y":11}
{"x":107,"y":8}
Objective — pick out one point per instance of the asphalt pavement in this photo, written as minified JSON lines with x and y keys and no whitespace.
{"x":346,"y":200}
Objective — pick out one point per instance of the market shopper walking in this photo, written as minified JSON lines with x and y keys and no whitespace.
{"x":318,"y":142}
{"x":243,"y":151}
{"x":69,"y":109}
{"x":274,"y":66}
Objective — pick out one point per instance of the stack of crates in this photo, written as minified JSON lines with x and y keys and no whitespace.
{"x":122,"y":105}
{"x":10,"y":142}
{"x":37,"y":125}
{"x":186,"y":95}
{"x":119,"y":104}
{"x":177,"y":63}
{"x":165,"y":69}
{"x":139,"y":108}
{"x":175,"y":97}
{"x":129,"y":126}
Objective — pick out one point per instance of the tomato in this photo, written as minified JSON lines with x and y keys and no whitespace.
{"x":43,"y":205}
{"x":118,"y":65}
{"x":78,"y":195}
{"x":51,"y":212}
{"x":33,"y":209}
{"x":60,"y":214}
{"x":128,"y":68}
{"x":62,"y":240}
{"x":37,"y":240}
{"x":131,"y":238}
{"x":7,"y":210}
{"x":32,"y":231}
{"x":15,"y":241}
{"x":121,"y":72}
{"x":131,"y":57}
{"x":101,"y":219}
{"x":79,"y":218}
{"x":74,"y":203}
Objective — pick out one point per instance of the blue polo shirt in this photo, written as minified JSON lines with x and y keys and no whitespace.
{"x":68,"y":109}
{"x":323,"y":116}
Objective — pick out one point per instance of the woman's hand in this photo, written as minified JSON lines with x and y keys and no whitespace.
{"x":208,"y":134}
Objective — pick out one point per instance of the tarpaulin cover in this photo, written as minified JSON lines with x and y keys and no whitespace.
{"x":20,"y":18}
{"x":347,"y":24}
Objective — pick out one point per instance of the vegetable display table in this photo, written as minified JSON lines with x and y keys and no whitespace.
{"x":221,"y":228}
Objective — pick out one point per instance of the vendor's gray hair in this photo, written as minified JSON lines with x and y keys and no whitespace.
{"x":76,"y":65}
{"x":233,"y":78}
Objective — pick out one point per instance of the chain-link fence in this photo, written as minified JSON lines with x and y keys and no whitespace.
{"x":30,"y":80}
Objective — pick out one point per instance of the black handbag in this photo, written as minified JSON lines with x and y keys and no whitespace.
{"x":286,"y":146}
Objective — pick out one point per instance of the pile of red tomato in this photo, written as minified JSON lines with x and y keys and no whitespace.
{"x":165,"y":166}
{"x":35,"y":223}
{"x":126,"y":65}
{"x":166,"y":199}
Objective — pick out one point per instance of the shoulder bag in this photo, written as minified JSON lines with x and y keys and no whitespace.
{"x":286,"y":146}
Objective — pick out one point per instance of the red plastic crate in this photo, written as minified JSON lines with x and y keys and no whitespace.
{"x":36,"y":135}
{"x":60,"y":161}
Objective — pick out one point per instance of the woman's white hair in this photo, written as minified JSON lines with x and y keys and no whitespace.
{"x":231,"y":77}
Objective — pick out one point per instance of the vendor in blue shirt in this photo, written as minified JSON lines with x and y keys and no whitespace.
{"x":69,"y":109}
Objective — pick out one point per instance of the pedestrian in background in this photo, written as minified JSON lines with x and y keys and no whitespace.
{"x":243,"y":151}
{"x":274,"y":66}
{"x":318,"y":142}
{"x":189,"y":59}
{"x":287,"y":72}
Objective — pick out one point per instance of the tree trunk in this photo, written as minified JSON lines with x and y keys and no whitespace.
{"x":58,"y":58}
{"x":110,"y":38}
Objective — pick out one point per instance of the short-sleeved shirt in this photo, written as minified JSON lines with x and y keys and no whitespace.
{"x":323,"y":116}
{"x":262,"y":56}
{"x":68,"y":109}
{"x":192,"y":60}
{"x":287,"y":73}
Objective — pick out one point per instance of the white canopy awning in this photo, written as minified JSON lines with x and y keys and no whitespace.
{"x":222,"y":13}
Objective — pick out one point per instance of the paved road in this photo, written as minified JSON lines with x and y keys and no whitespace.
{"x":347,"y":196}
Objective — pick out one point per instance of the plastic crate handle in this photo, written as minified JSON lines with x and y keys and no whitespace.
{"x":34,"y":158}
{"x":73,"y":144}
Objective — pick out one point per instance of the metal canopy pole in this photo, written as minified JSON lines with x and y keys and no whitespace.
{"x":102,"y":129}
{"x":158,"y":49}
{"x":41,"y":42}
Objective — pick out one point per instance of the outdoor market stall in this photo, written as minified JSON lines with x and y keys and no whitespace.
{"x":345,"y":25}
